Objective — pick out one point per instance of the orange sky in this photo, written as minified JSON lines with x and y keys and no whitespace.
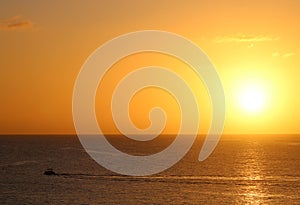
{"x":44,"y":44}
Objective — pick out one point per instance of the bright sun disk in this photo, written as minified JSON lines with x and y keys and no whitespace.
{"x":252,"y":99}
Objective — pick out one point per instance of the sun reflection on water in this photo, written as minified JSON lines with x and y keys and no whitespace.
{"x":251,"y":169}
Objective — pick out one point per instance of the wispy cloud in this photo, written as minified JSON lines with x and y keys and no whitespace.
{"x":14,"y":23}
{"x":244,"y":38}
{"x":285,"y":55}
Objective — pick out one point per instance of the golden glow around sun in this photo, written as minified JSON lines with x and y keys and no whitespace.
{"x":252,"y":98}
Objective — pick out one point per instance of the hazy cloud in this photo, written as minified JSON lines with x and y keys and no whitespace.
{"x":285,"y":55}
{"x":244,"y":38}
{"x":275,"y":54}
{"x":14,"y":23}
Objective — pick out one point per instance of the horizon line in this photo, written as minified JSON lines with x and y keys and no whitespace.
{"x":110,"y":134}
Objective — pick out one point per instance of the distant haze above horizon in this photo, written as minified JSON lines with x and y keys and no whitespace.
{"x":254,"y":45}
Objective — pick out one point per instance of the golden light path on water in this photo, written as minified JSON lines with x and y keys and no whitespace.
{"x":252,"y":168}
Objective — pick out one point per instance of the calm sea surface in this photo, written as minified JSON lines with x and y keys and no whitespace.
{"x":246,"y":169}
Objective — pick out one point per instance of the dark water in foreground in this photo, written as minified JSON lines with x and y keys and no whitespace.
{"x":242,"y":170}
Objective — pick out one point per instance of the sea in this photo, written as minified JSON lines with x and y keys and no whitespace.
{"x":243,"y":169}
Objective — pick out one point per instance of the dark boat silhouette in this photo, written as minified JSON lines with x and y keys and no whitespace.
{"x":49,"y":172}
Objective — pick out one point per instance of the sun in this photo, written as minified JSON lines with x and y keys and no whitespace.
{"x":252,"y":98}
